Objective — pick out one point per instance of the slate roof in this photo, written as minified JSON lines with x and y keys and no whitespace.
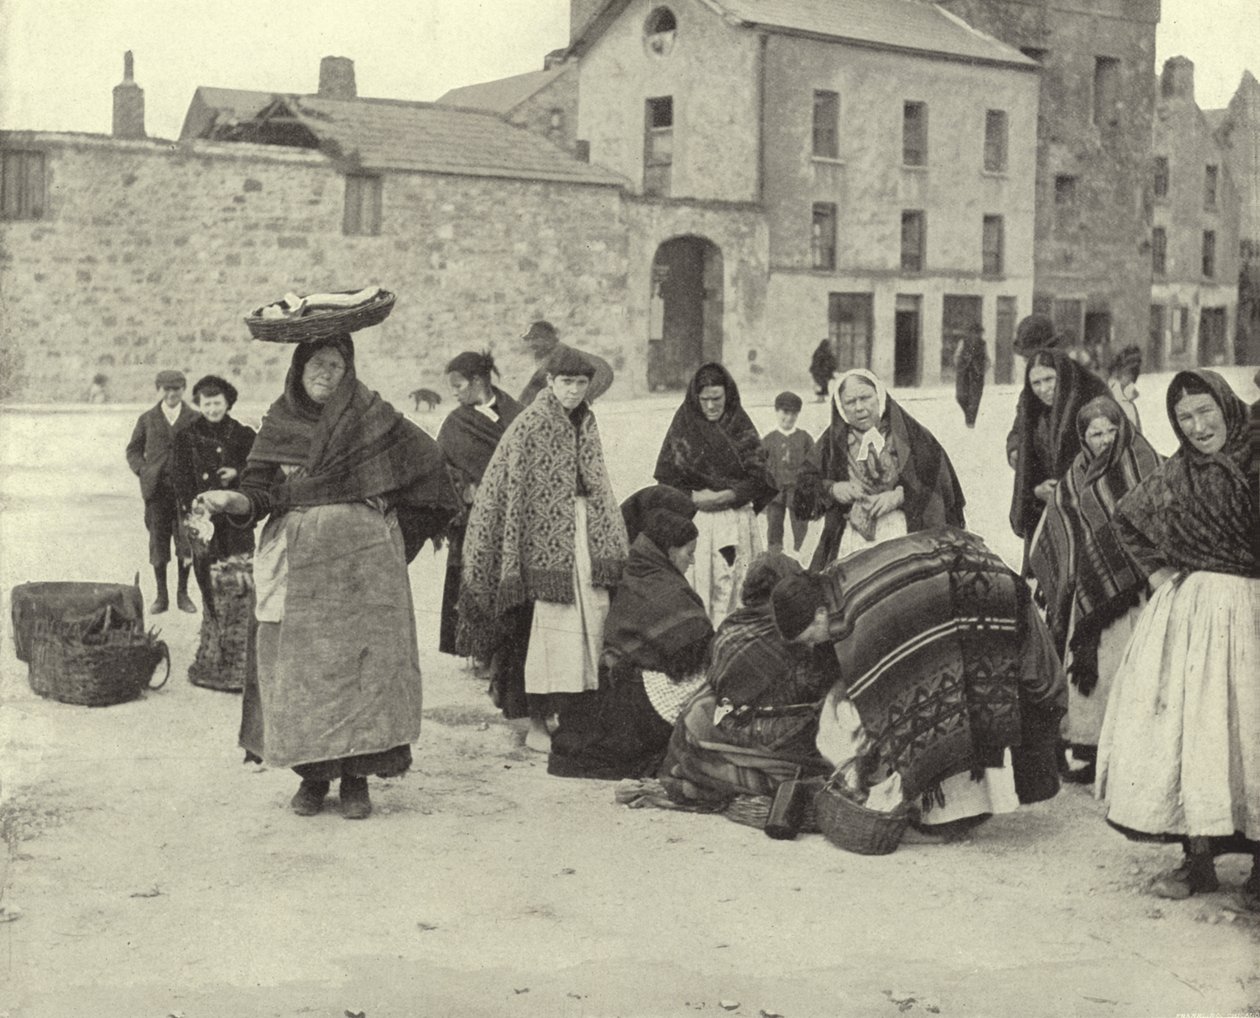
{"x":504,"y":94}
{"x":383,"y":134}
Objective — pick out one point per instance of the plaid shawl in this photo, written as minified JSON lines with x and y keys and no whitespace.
{"x":1197,"y":512}
{"x":519,"y":542}
{"x":1076,"y":555}
{"x":724,"y":454}
{"x":656,"y":622}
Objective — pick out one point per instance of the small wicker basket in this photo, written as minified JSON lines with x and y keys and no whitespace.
{"x":95,"y":670}
{"x":321,"y":323}
{"x":754,"y":811}
{"x":855,"y":828}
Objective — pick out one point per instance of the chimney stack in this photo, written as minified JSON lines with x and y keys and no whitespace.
{"x":1178,"y":78}
{"x":128,"y":103}
{"x":336,"y":78}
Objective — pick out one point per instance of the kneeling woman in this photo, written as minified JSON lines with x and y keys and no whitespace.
{"x":1179,"y":756}
{"x":656,"y":644}
{"x":352,"y":490}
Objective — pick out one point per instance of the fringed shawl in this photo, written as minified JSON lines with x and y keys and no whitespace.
{"x":519,"y":546}
{"x":469,"y":437}
{"x":1077,"y":557}
{"x":1197,"y":512}
{"x":718,"y":455}
{"x":656,"y":621}
{"x":1074,"y":388}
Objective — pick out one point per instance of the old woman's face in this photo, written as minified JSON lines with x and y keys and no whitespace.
{"x":860,"y":403}
{"x":712,"y":402}
{"x":323,"y":373}
{"x":1100,"y":435}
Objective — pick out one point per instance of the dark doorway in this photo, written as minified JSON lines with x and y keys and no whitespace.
{"x":1098,"y":336}
{"x":685,"y":316}
{"x":1212,"y":348}
{"x":907,"y":329}
{"x":1004,"y":341}
{"x":849,"y":323}
{"x":960,"y":314}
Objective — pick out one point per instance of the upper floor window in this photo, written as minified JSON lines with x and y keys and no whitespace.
{"x":1159,"y":250}
{"x":1064,"y":190}
{"x":913,"y":232}
{"x":823,"y":237}
{"x":1161,"y":176}
{"x":1209,"y":253}
{"x":826,"y":124}
{"x":22,"y":184}
{"x":994,"y":242}
{"x":1106,"y":90}
{"x":658,"y":145}
{"x":995,"y":141}
{"x":363,"y":204}
{"x":1211,"y":178}
{"x":659,"y":31}
{"x":914,"y":138}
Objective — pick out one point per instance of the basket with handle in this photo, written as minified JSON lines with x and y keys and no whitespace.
{"x":754,"y":810}
{"x":95,"y":669}
{"x":315,"y":323}
{"x":851,"y":826}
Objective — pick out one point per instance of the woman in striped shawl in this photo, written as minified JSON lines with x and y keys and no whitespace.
{"x":1093,"y":590}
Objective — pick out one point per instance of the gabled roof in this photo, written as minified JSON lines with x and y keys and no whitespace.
{"x":906,"y":25}
{"x":504,"y":94}
{"x":384,"y":134}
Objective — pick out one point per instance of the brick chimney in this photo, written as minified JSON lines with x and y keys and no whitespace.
{"x":128,"y":103}
{"x":1177,"y":81}
{"x":336,"y":78}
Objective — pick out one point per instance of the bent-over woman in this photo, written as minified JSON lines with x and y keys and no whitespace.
{"x":713,"y":451}
{"x":876,"y":473}
{"x":350,"y":490}
{"x":1179,"y":756}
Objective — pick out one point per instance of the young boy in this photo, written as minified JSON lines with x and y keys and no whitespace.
{"x":786,"y":446}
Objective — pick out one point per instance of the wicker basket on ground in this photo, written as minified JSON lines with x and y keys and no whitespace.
{"x":852,"y":826}
{"x":754,"y":810}
{"x":95,"y":669}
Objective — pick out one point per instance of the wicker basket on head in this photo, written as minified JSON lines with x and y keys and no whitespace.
{"x":320,"y":323}
{"x":95,"y":670}
{"x":851,"y":826}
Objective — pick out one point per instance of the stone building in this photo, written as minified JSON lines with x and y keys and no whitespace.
{"x":1194,"y":235}
{"x":1093,"y":203}
{"x":889,"y":147}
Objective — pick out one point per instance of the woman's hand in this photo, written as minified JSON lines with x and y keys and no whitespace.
{"x":224,"y":502}
{"x":885,"y":502}
{"x":709,"y":501}
{"x":1045,"y":490}
{"x":846,"y":492}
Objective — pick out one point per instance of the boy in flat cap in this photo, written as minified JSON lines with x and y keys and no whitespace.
{"x":149,"y":456}
{"x":544,"y":343}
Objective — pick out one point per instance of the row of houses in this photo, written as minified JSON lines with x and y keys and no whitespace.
{"x":693,"y":180}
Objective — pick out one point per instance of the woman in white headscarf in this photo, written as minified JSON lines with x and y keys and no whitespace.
{"x":876,"y":473}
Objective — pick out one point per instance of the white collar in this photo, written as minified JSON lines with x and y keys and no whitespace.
{"x":171,"y":414}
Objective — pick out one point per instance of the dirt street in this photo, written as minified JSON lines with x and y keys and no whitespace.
{"x":148,"y":873}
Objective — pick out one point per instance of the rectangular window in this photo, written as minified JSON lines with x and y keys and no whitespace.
{"x":913,"y":230}
{"x":914,"y":138}
{"x":363,"y":205}
{"x":1161,"y":176}
{"x":1106,"y":90}
{"x":995,"y":141}
{"x":961,"y":315}
{"x":1209,"y":253}
{"x":993,"y":244}
{"x":1159,"y":250}
{"x":658,"y":145}
{"x":1064,"y":191}
{"x":1211,"y":177}
{"x":1067,"y":315}
{"x":826,"y":124}
{"x":849,"y":324}
{"x":823,"y":237}
{"x":22,"y":185}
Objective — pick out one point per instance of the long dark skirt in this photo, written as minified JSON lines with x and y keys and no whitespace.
{"x":450,"y":593}
{"x":968,"y":390}
{"x":613,"y":734}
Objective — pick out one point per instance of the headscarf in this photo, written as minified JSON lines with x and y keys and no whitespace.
{"x":1074,"y":387}
{"x":636,"y":508}
{"x":724,"y":454}
{"x":872,"y":440}
{"x":1198,"y":512}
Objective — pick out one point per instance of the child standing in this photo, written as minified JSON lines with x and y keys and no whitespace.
{"x":786,"y":447}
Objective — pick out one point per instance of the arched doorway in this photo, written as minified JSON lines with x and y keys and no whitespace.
{"x":685,"y":311}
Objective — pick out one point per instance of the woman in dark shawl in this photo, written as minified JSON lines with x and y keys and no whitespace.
{"x":713,"y":451}
{"x":351,"y":490}
{"x":970,"y":362}
{"x":1045,"y":436}
{"x":468,"y":438}
{"x":1093,"y":590}
{"x":656,"y":643}
{"x":874,"y":474}
{"x":1179,"y":755}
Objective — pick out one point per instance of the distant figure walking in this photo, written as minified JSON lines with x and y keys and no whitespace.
{"x":149,"y":456}
{"x":544,"y":343}
{"x":822,"y":366}
{"x":98,"y":391}
{"x":970,"y":361}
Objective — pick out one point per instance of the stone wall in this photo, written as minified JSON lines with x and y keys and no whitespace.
{"x":149,"y":254}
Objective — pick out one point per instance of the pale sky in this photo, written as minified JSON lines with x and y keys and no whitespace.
{"x":59,"y":59}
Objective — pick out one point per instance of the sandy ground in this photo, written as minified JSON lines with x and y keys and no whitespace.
{"x":147,"y":872}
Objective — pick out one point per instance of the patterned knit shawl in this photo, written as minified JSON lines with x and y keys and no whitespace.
{"x":519,"y":544}
{"x":1198,"y":511}
{"x":1075,"y":387}
{"x":724,"y":454}
{"x":1076,"y":555}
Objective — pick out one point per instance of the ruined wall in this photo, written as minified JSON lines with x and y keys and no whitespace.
{"x":149,"y":254}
